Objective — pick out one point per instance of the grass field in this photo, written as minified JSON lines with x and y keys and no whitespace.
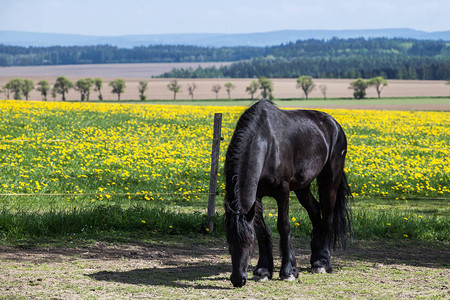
{"x":118,"y":205}
{"x":99,"y":167}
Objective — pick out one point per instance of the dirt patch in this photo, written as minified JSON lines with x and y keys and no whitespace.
{"x":189,"y":268}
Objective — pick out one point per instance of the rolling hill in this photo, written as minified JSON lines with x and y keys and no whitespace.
{"x":258,"y":39}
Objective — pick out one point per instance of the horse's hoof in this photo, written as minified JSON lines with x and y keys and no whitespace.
{"x":319,"y":270}
{"x":289,"y":278}
{"x":260,"y":278}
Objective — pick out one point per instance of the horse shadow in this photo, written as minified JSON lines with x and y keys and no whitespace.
{"x":197,"y":276}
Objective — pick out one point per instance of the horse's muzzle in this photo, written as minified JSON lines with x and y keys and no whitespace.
{"x":238,"y":281}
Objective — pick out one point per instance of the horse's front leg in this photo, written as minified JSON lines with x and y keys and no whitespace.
{"x":289,"y":270}
{"x":264,"y":269}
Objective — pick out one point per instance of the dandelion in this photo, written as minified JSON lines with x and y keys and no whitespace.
{"x":207,"y":229}
{"x":388,"y":224}
{"x":143,"y":221}
{"x":171,"y":227}
{"x":405,"y":218}
{"x":405,"y":235}
{"x":297,"y":224}
{"x":293,"y":219}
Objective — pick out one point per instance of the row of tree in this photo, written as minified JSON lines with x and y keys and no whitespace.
{"x":359,"y":86}
{"x":431,"y":68}
{"x":19,"y":87}
{"x":335,"y":58}
{"x":263,"y":84}
{"x":334,"y":48}
{"x":22,"y":87}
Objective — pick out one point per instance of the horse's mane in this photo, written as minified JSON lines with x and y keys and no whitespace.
{"x":246,"y":127}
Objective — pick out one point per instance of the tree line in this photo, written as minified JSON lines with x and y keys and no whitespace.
{"x":336,"y":58}
{"x":395,"y":67}
{"x":16,"y":88}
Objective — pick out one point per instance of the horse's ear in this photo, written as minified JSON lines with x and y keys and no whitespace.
{"x":251,"y":213}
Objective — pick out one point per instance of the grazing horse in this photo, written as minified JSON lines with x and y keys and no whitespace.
{"x":271,"y":153}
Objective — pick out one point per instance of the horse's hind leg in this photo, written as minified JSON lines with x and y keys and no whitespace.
{"x":289,"y":269}
{"x":264,"y":269}
{"x":328,"y":183}
{"x":307,"y":200}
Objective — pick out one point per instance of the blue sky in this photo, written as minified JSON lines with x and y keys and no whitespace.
{"x":122,"y":17}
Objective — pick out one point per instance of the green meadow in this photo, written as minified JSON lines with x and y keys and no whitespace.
{"x":72,"y":170}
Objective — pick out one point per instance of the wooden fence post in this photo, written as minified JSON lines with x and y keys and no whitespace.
{"x":214,"y":170}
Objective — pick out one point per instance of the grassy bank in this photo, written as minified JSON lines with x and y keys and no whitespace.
{"x":147,"y":220}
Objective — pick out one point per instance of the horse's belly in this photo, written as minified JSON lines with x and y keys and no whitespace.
{"x":303,"y":177}
{"x":299,"y":183}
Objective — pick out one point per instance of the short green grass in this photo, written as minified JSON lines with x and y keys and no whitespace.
{"x":318,"y":102}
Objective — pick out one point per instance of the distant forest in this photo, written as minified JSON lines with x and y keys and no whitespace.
{"x":335,"y":58}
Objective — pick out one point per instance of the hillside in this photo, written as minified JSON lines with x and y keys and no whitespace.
{"x":257,"y":39}
{"x":339,"y":58}
{"x":396,"y":58}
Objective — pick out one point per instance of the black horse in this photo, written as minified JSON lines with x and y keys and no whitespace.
{"x":271,"y":153}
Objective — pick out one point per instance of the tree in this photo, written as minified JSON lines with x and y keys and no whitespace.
{"x":448,"y":83}
{"x":266,"y":86}
{"x":15,"y":86}
{"x":252,"y":88}
{"x":98,"y":83}
{"x":142,"y":88}
{"x":191,"y":88}
{"x":174,"y":87}
{"x":43,"y":87}
{"x":62,"y":86}
{"x":7,"y":90}
{"x":379,"y":83}
{"x":359,"y":87}
{"x":323,"y":89}
{"x":118,"y":87}
{"x":84,"y":86}
{"x":53,"y":94}
{"x":306,"y":84}
{"x":27,"y":87}
{"x":216,"y":88}
{"x":228,"y":87}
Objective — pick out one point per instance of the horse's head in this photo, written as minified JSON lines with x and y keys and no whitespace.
{"x":241,"y":240}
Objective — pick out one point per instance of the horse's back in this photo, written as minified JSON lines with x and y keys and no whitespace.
{"x":299,"y":143}
{"x":279,"y":146}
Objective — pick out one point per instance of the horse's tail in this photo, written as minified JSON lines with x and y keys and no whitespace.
{"x":342,"y":214}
